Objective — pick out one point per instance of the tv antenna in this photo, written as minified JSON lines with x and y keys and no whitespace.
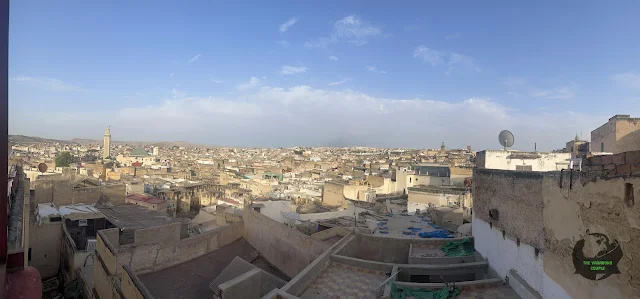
{"x":506,"y":139}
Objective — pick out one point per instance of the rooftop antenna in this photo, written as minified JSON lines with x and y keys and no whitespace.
{"x":506,"y":139}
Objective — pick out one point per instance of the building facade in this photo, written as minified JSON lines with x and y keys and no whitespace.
{"x":620,"y":134}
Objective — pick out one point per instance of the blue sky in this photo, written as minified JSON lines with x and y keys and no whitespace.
{"x":285,"y":73}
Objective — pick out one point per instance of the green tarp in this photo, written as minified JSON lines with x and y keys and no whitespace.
{"x":400,"y":292}
{"x":459,"y":248}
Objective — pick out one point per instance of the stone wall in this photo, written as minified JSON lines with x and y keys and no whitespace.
{"x":516,"y":197}
{"x":283,"y":247}
{"x":568,"y":206}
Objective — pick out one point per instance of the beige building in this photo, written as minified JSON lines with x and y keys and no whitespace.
{"x":620,"y":134}
{"x":577,"y":148}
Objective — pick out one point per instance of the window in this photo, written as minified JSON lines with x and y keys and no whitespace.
{"x":409,"y":180}
{"x":602,"y":146}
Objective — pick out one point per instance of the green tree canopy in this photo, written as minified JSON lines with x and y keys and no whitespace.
{"x":63,"y":159}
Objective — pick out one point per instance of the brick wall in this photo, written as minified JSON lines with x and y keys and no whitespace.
{"x":609,"y":166}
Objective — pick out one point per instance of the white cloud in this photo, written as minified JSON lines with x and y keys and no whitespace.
{"x":216,"y":81}
{"x":253,"y":82}
{"x":373,"y":69}
{"x":628,"y":79}
{"x":285,"y":26}
{"x":333,"y":57}
{"x":273,"y":117}
{"x":47,"y":83}
{"x":290,"y":70}
{"x":350,"y":29}
{"x":284,"y":43}
{"x":171,"y":76}
{"x":433,"y":57}
{"x":462,"y":63}
{"x":194,"y":58}
{"x":453,"y":36}
{"x":343,"y":81}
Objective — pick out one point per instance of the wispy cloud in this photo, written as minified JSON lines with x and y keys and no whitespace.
{"x":431,"y":56}
{"x":253,"y":82}
{"x":457,"y":62}
{"x":628,"y":79}
{"x":285,"y":26}
{"x":350,"y":29}
{"x":215,"y":81}
{"x":520,"y":86}
{"x":562,"y":92}
{"x":290,"y":70}
{"x":373,"y":69}
{"x":171,"y":76}
{"x":333,"y":57}
{"x":463,"y":63}
{"x":178,"y":93}
{"x":284,"y":43}
{"x":194,"y":58}
{"x":47,"y":83}
{"x":453,"y":36}
{"x":343,"y":81}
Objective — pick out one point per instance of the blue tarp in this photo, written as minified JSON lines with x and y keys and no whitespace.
{"x":441,"y":233}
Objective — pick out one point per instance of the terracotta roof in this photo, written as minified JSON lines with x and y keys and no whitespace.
{"x":145,"y":198}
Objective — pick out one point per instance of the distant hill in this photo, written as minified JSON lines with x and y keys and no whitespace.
{"x":139,"y":143}
{"x":29,"y":139}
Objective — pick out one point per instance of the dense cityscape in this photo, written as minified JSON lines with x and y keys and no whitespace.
{"x":160,"y":217}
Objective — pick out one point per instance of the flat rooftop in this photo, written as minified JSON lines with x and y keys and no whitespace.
{"x":399,"y":223}
{"x":345,"y":281}
{"x":192,"y":279}
{"x":131,"y":216}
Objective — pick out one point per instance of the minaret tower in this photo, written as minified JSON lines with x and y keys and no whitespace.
{"x":107,"y":143}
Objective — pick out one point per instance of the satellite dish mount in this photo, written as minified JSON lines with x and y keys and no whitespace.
{"x":506,"y":139}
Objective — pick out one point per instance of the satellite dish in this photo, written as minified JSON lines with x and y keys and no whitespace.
{"x":506,"y":139}
{"x":42,"y":167}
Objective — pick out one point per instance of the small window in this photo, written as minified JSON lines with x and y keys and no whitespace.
{"x":409,"y":180}
{"x":602,"y":147}
{"x":82,"y":222}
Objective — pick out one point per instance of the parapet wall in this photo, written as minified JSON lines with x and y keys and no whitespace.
{"x":286,"y":248}
{"x":62,"y":192}
{"x":561,"y":209}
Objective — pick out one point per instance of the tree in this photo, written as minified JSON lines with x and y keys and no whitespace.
{"x":63,"y":159}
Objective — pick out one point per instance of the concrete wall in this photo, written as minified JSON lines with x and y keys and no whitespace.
{"x":384,"y":249}
{"x":333,"y":194}
{"x":132,"y":287}
{"x":421,"y":200}
{"x":160,"y":247}
{"x":285,"y":248}
{"x":45,"y":242}
{"x":61,"y":192}
{"x":508,"y":160}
